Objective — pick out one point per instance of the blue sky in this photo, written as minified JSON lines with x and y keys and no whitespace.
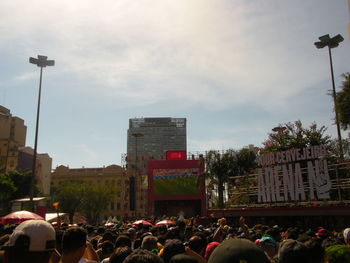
{"x":235,"y":69}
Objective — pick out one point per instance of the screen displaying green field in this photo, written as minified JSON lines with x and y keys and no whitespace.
{"x":175,"y":182}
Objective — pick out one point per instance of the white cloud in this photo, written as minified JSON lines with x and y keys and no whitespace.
{"x":186,"y":56}
{"x":217,"y":54}
{"x":27,"y":76}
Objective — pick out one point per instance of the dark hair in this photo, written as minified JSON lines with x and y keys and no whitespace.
{"x":315,"y":251}
{"x":107,"y":247}
{"x":142,"y":256}
{"x":149,"y":243}
{"x":182,"y":258}
{"x":292,"y":251}
{"x":292,"y":233}
{"x":197,"y":244}
{"x":73,"y":239}
{"x":171,"y":248}
{"x":119,"y":254}
{"x":122,"y":241}
{"x":108,"y":236}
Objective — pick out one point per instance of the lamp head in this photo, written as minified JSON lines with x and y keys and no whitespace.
{"x":41,"y":61}
{"x":326,"y":40}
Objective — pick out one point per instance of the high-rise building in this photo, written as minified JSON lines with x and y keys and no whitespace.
{"x":12,"y":136}
{"x":14,"y":155}
{"x":153,"y":137}
{"x":150,"y":139}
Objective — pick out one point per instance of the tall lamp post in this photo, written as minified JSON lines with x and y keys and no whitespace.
{"x":327,"y":41}
{"x":41,"y":62}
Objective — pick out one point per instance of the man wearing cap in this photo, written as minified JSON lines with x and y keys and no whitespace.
{"x":346,"y":234}
{"x":32,"y":241}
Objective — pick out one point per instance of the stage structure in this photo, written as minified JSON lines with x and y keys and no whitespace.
{"x":176,"y":186}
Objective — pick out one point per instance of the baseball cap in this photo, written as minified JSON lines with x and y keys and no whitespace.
{"x":210,"y":248}
{"x":322,"y":232}
{"x":266,"y":241}
{"x":346,"y":233}
{"x":238,"y":250}
{"x":33,"y":236}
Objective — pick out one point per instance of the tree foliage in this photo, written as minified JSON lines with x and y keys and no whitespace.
{"x":96,"y":199}
{"x":294,"y":135}
{"x":7,"y":189}
{"x":80,"y":196}
{"x":14,"y":185}
{"x":343,"y":102}
{"x":221,"y":166}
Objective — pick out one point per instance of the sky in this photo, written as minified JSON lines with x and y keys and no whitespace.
{"x":234,"y":68}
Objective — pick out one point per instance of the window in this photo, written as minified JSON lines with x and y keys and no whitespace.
{"x":112,"y":206}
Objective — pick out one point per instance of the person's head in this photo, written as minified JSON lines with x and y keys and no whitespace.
{"x":291,"y":251}
{"x":74,"y":242}
{"x":210,"y":248}
{"x":182,"y":258}
{"x":236,"y":251}
{"x":292,"y":233}
{"x":122,"y":241}
{"x":119,"y":254}
{"x":142,"y":256}
{"x":275,"y":233}
{"x":149,"y":243}
{"x":132,"y":233}
{"x":108,"y":236}
{"x":197,"y":244}
{"x":268,"y":244}
{"x":346,"y":235}
{"x":107,"y":249}
{"x":316,"y":252}
{"x":338,"y":254}
{"x":32,"y":241}
{"x":171,"y":248}
{"x":322,"y":233}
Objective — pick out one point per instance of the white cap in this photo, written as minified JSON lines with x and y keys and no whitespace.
{"x":33,"y":235}
{"x":346,"y":235}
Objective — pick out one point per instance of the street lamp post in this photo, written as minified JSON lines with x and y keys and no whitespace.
{"x":41,"y":62}
{"x":327,"y":41}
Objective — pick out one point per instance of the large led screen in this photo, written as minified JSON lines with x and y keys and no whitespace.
{"x":174,"y":182}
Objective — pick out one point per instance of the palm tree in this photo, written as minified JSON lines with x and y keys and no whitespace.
{"x":343,"y":102}
{"x":219,"y":167}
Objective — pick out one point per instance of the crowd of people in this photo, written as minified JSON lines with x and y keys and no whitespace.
{"x":187,"y":241}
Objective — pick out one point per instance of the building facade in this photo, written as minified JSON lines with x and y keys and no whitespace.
{"x":113,"y":175}
{"x":14,"y":155}
{"x":43,"y":167}
{"x":12,"y":136}
{"x":153,"y":137}
{"x":150,"y":139}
